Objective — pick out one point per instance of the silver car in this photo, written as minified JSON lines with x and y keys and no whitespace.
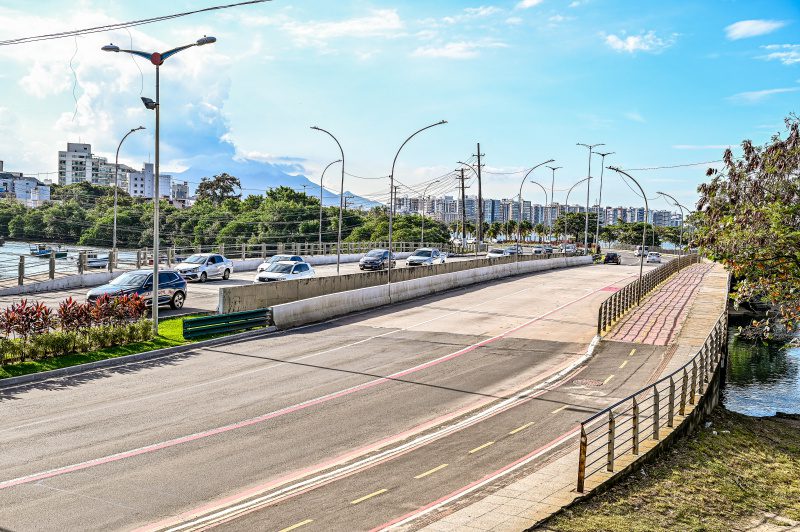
{"x":425,"y":257}
{"x":204,"y":266}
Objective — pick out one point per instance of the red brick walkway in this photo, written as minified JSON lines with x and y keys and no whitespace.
{"x":659,"y":317}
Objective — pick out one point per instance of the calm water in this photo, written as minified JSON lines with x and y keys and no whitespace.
{"x":10,"y":252}
{"x":762,"y":379}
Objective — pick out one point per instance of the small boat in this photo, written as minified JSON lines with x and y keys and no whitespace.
{"x":94,"y":261}
{"x":43,"y":250}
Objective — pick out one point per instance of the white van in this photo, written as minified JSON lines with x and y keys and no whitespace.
{"x":638,"y":252}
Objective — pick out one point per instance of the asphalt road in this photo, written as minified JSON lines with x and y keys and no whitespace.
{"x":146,"y":444}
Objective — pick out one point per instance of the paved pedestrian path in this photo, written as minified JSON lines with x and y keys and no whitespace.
{"x":665,"y":330}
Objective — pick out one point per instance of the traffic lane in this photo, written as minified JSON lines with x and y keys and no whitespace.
{"x":258,"y":443}
{"x":396,"y":487}
{"x":439,"y":315}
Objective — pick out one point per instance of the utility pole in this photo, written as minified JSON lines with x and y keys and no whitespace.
{"x":600,"y":199}
{"x":480,"y":201}
{"x":591,"y":148}
{"x":550,"y":221}
{"x":345,"y":201}
{"x":463,"y":211}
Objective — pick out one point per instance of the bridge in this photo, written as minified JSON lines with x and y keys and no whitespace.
{"x":461,"y":408}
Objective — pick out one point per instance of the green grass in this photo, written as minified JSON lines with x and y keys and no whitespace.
{"x":170,"y":335}
{"x":724,"y":481}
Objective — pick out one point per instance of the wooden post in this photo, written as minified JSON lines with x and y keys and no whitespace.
{"x":671,"y":406}
{"x":21,"y":270}
{"x":656,"y":412}
{"x":635,"y":426}
{"x":244,"y":251}
{"x":222,"y":249}
{"x":611,"y":437}
{"x":263,"y":250}
{"x":582,"y":460}
{"x":138,"y":259}
{"x":52,"y":269}
{"x":693,"y":389}
{"x":684,"y":388}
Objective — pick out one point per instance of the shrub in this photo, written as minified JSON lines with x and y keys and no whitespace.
{"x":9,"y":351}
{"x":145,"y":330}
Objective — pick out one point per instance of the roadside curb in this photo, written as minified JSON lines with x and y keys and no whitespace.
{"x":138,"y":357}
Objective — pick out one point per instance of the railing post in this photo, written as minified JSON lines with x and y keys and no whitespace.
{"x":671,"y":405}
{"x":222,"y":249}
{"x":21,"y":270}
{"x":611,"y":437}
{"x":80,"y":262}
{"x":52,"y":266}
{"x":656,"y":412}
{"x":138,"y":259}
{"x":263,"y":250}
{"x":693,"y":390}
{"x":635,"y":426}
{"x":600,"y":318}
{"x":582,"y":460}
{"x":701,"y":381}
{"x":244,"y":251}
{"x":684,"y":388}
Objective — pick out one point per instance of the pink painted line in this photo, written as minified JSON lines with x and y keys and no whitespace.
{"x":36,"y":477}
{"x":500,"y":471}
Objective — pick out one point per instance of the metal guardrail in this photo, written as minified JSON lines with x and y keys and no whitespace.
{"x":622,"y":427}
{"x":225,"y":323}
{"x":631,"y":295}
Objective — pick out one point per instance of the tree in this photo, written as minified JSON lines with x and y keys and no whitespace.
{"x":749,"y":220}
{"x":576,"y":223}
{"x":494,"y":230}
{"x":525,"y":228}
{"x":218,"y":188}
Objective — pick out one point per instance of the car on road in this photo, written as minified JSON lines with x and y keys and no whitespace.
{"x":425,"y":257}
{"x":514,"y":250}
{"x":172,"y":287}
{"x":548,"y":249}
{"x":494,"y":253}
{"x":612,"y":258}
{"x":376,"y":259}
{"x":285,"y":270}
{"x":653,"y":257}
{"x":204,"y":266}
{"x":277,"y":258}
{"x":570,"y":248}
{"x":538,"y":250}
{"x":638,"y":252}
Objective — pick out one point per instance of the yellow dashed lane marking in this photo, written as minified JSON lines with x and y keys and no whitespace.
{"x":476,"y":449}
{"x":557,"y":410}
{"x":608,"y":379}
{"x":431,"y":471}
{"x":623,"y":364}
{"x":298,"y":525}
{"x":371,"y":495}
{"x":523,"y":427}
{"x":632,"y":352}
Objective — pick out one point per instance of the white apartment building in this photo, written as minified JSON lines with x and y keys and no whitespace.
{"x":141,"y":184}
{"x":79,"y":165}
{"x":27,"y":190}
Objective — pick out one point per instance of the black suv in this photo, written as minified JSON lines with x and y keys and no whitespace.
{"x":612,"y":258}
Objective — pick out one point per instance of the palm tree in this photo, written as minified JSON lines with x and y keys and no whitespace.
{"x":540,"y":230}
{"x":494,"y":230}
{"x":525,"y":228}
{"x":511,"y":229}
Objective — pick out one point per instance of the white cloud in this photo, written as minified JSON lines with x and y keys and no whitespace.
{"x":472,"y":13}
{"x":788,"y":54}
{"x":380,"y":23}
{"x":758,"y":96}
{"x":701,"y":146}
{"x":527,"y":4}
{"x":557,"y":18}
{"x":514,"y":21}
{"x":457,"y":50}
{"x":752,"y":28}
{"x":634,"y":116}
{"x":643,"y":42}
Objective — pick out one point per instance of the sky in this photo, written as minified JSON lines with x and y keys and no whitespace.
{"x":659,"y":83}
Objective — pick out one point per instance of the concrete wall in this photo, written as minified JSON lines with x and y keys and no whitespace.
{"x":263,"y":295}
{"x":328,"y":306}
{"x":251,"y":265}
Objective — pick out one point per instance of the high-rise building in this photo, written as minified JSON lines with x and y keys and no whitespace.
{"x":78,"y":165}
{"x":141,"y":184}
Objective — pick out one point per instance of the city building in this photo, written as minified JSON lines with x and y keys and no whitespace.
{"x":78,"y":165}
{"x":141,"y":184}
{"x":27,"y":190}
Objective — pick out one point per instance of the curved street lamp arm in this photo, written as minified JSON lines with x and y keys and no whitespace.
{"x":341,"y":198}
{"x":170,"y":53}
{"x":644,"y":229}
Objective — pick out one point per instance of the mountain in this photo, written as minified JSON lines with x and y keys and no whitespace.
{"x":259,"y":176}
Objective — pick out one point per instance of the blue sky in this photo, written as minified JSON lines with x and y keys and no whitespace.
{"x":660,"y":83}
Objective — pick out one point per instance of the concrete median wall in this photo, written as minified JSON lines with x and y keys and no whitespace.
{"x":263,"y":295}
{"x":329,"y":306}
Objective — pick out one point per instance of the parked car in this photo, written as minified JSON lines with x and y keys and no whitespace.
{"x":612,"y":258}
{"x":653,"y":257}
{"x":515,"y":249}
{"x":172,"y":288}
{"x":638,"y":252}
{"x":538,"y":250}
{"x":425,"y":257}
{"x":548,"y":249}
{"x":285,"y":270}
{"x":570,"y":248}
{"x":204,"y":266}
{"x":497,"y":252}
{"x":471,"y":241}
{"x":277,"y":258}
{"x":377,"y":259}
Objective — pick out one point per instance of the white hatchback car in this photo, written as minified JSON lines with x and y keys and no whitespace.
{"x":496,"y":253}
{"x":285,"y":270}
{"x":654,"y":257}
{"x":204,"y":266}
{"x":277,"y":258}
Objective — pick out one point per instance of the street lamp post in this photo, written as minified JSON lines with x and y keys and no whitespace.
{"x":478,"y":221}
{"x":320,"y":202}
{"x":157,"y":59}
{"x":391,"y":199}
{"x":683,"y":216}
{"x":519,"y":223}
{"x":424,"y":192}
{"x":600,"y":199}
{"x":341,"y":199}
{"x":566,"y":204}
{"x":644,"y":226}
{"x":591,"y":148}
{"x":112,"y":261}
{"x":550,"y":220}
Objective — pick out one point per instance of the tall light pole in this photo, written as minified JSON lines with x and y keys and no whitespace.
{"x":681,"y":207}
{"x":320,"y":201}
{"x":550,"y":223}
{"x":591,"y":148}
{"x":391,"y":199}
{"x":341,"y":200}
{"x":424,"y":192}
{"x":519,"y":232}
{"x":157,"y":59}
{"x":566,"y":203}
{"x":644,"y":225}
{"x":116,"y":181}
{"x":600,"y":200}
{"x":478,"y":220}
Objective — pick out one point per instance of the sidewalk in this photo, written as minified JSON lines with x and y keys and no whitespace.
{"x":679,"y":315}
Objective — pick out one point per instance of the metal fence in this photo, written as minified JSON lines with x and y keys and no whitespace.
{"x":631,"y":295}
{"x":624,"y":426}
